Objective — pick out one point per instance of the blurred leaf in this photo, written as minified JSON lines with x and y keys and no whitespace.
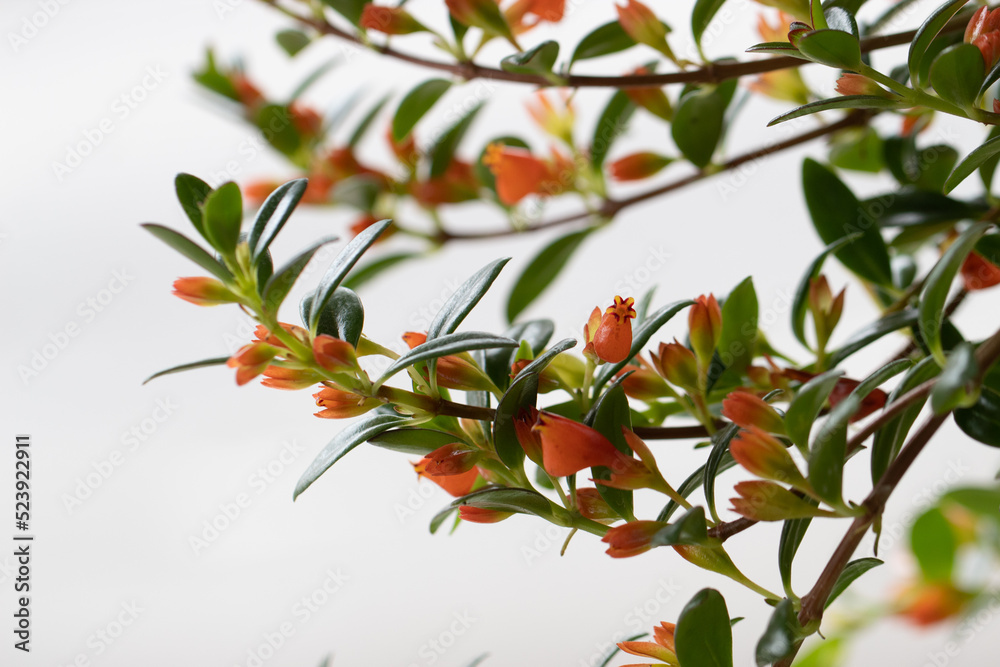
{"x":981,"y":500}
{"x":275,"y":122}
{"x":701,"y":17}
{"x":699,"y":121}
{"x":217,"y":361}
{"x":934,"y":545}
{"x":447,"y":344}
{"x":928,"y":30}
{"x":978,"y":158}
{"x":349,"y":9}
{"x":359,"y":191}
{"x":465,"y":298}
{"x":601,"y":41}
{"x":703,"y":636}
{"x":223,"y":216}
{"x":369,"y":118}
{"x":189,"y":249}
{"x":417,"y":103}
{"x":936,"y":164}
{"x":542,"y":270}
{"x":612,"y":123}
{"x":850,"y":573}
{"x":273,"y":215}
{"x":536,"y":60}
{"x":443,"y":150}
{"x":835,"y":211}
{"x":367,"y":426}
{"x":806,"y":406}
{"x":889,"y":439}
{"x":952,"y":387}
{"x":858,"y":149}
{"x":800,"y":303}
{"x":192,"y":193}
{"x":292,"y":41}
{"x":957,"y":73}
{"x":413,"y":441}
{"x":781,"y":635}
{"x":280,"y":284}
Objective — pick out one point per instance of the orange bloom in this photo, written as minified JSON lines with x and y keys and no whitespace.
{"x":333,"y":354}
{"x":307,"y":121}
{"x":763,"y":455}
{"x":531,"y":441}
{"x":340,"y":404}
{"x":203,"y":291}
{"x":705,"y":326}
{"x":643,"y":382}
{"x":251,"y":360}
{"x":456,"y":485}
{"x":543,"y":10}
{"x":246,"y":92}
{"x":929,"y":603}
{"x":662,"y":648}
{"x":613,"y":337}
{"x":256,"y":192}
{"x":569,"y":446}
{"x":453,"y":372}
{"x":279,"y":377}
{"x":640,"y":23}
{"x":447,"y":460}
{"x":389,"y":20}
{"x":518,"y":173}
{"x":748,"y":410}
{"x":631,"y":539}
{"x":637,"y":166}
{"x":555,"y":120}
{"x":983,"y":30}
{"x":677,"y":364}
{"x":457,"y":184}
{"x":650,"y":98}
{"x":589,"y":329}
{"x":855,"y":84}
{"x":592,"y":506}
{"x":482,"y":515}
{"x":979,"y":273}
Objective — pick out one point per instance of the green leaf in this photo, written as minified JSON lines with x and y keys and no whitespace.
{"x":370,"y":425}
{"x":610,"y":414}
{"x":537,"y":60}
{"x":523,"y":393}
{"x":934,"y":545}
{"x":781,"y":635}
{"x":952,"y":389}
{"x":273,"y":215}
{"x":938,"y":283}
{"x":719,"y":454}
{"x":413,"y":441}
{"x":974,"y":160}
{"x":930,"y":29}
{"x":835,"y":213}
{"x":453,"y":343}
{"x":690,"y":528}
{"x":989,"y":166}
{"x":280,"y":284}
{"x":369,"y":118}
{"x":911,"y":208}
{"x":792,"y":533}
{"x":833,"y":48}
{"x":871,"y":333}
{"x":189,"y":249}
{"x":275,"y":122}
{"x":192,"y":193}
{"x":858,"y":149}
{"x":359,"y":191}
{"x":703,"y":636}
{"x":537,"y":333}
{"x":292,"y":41}
{"x":981,"y":422}
{"x":850,"y":573}
{"x":739,"y":327}
{"x":223,"y":216}
{"x":800,"y":303}
{"x":444,"y":148}
{"x":519,"y":501}
{"x":340,"y":267}
{"x":957,"y":74}
{"x":545,"y":359}
{"x":349,"y":9}
{"x":205,"y":363}
{"x":693,"y":481}
{"x":981,"y":500}
{"x":465,"y":298}
{"x":343,"y":316}
{"x":777,"y":49}
{"x":842,"y":102}
{"x":417,"y":103}
{"x":936,"y":164}
{"x":367,"y":272}
{"x":601,"y":41}
{"x":889,"y":439}
{"x":806,"y":406}
{"x":701,"y":17}
{"x":542,"y":270}
{"x":700,"y":119}
{"x":640,"y":336}
{"x":612,"y":123}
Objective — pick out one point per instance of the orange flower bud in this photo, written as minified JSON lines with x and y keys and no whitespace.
{"x":569,"y":446}
{"x":872,"y":402}
{"x":662,"y":648}
{"x":339,"y":404}
{"x":457,"y":184}
{"x":531,"y":441}
{"x":389,"y":20}
{"x":705,"y":326}
{"x":630,"y":474}
{"x":482,"y":515}
{"x":246,"y":92}
{"x":650,"y":98}
{"x":592,"y":506}
{"x":641,"y":24}
{"x":638,"y":166}
{"x":855,"y":84}
{"x":547,"y":380}
{"x":747,"y":410}
{"x":678,"y":365}
{"x":555,"y":119}
{"x":482,"y":14}
{"x":929,"y":603}
{"x":979,"y":273}
{"x":456,"y":485}
{"x":251,"y":360}
{"x":763,"y":455}
{"x":767,"y":501}
{"x":589,"y":329}
{"x":333,"y":354}
{"x":643,"y":383}
{"x":452,"y":459}
{"x":306,"y":120}
{"x":255,"y":192}
{"x":264,"y":336}
{"x":453,"y":372}
{"x":203,"y":291}
{"x":279,"y":377}
{"x":518,"y":173}
{"x":825,"y":308}
{"x":613,"y":337}
{"x":631,"y":539}
{"x":983,"y":22}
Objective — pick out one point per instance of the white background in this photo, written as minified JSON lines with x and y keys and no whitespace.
{"x":63,"y":241}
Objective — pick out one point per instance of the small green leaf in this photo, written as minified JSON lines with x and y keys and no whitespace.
{"x":292,"y":41}
{"x":465,"y":298}
{"x":223,"y":216}
{"x":938,"y":283}
{"x":857,"y":149}
{"x":871,"y":333}
{"x":930,"y":29}
{"x":806,"y":406}
{"x":273,"y":215}
{"x":781,"y":635}
{"x":690,"y":528}
{"x":989,"y":166}
{"x":699,"y":121}
{"x":833,"y":48}
{"x":417,"y":103}
{"x":612,"y":123}
{"x":739,"y":327}
{"x":777,"y":49}
{"x":343,"y":316}
{"x":934,"y":545}
{"x":217,"y":361}
{"x":444,"y":345}
{"x":601,"y":41}
{"x":443,"y":150}
{"x":275,"y":122}
{"x":704,"y":637}
{"x":850,"y":573}
{"x":370,"y":425}
{"x":192,"y":193}
{"x":957,"y":74}
{"x":413,"y":441}
{"x":366,"y":122}
{"x":280,"y":284}
{"x":537,"y":60}
{"x":842,"y":102}
{"x":889,"y":439}
{"x":800,"y":303}
{"x":523,"y":393}
{"x":536,"y":333}
{"x":718,"y":455}
{"x":189,"y":249}
{"x":349,"y":9}
{"x":792,"y":533}
{"x":542,"y":270}
{"x":981,"y":422}
{"x":835,"y":213}
{"x":974,"y":160}
{"x":701,"y":17}
{"x":952,"y":389}
{"x":610,"y":414}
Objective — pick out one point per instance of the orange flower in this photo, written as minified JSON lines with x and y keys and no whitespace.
{"x":929,"y":603}
{"x":631,"y":539}
{"x":589,"y":329}
{"x":662,"y":648}
{"x":650,"y":98}
{"x":256,"y":192}
{"x":448,"y":460}
{"x":763,"y":455}
{"x":262,"y":334}
{"x":543,"y":10}
{"x":592,"y":506}
{"x":983,"y":30}
{"x":456,"y":485}
{"x":841,"y":390}
{"x":640,"y":23}
{"x":203,"y":291}
{"x":855,"y":84}
{"x":705,"y":326}
{"x":279,"y":377}
{"x":518,"y":173}
{"x":333,"y":354}
{"x":251,"y":360}
{"x":307,"y":121}
{"x":482,"y":515}
{"x":774,"y":32}
{"x":631,"y":474}
{"x":569,"y":446}
{"x":613,"y":337}
{"x":557,"y":121}
{"x":531,"y":441}
{"x":340,"y":404}
{"x":748,"y":410}
{"x":389,"y":20}
{"x":766,"y":501}
{"x":457,"y":184}
{"x":453,"y":372}
{"x":643,"y":382}
{"x":482,"y":14}
{"x":678,"y":365}
{"x":638,"y":166}
{"x":246,"y":92}
{"x":979,"y":273}
{"x":405,"y":151}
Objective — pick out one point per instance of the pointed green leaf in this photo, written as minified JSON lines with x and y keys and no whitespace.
{"x":341,"y":265}
{"x":739,"y":327}
{"x":292,"y":41}
{"x":217,"y":361}
{"x":869,"y":334}
{"x":806,"y":406}
{"x":413,"y":441}
{"x":523,"y":393}
{"x":704,"y":637}
{"x":366,"y":122}
{"x":699,"y":121}
{"x":934,"y":544}
{"x":417,"y":103}
{"x":889,"y":439}
{"x":465,"y":298}
{"x":542,"y":270}
{"x":601,"y":41}
{"x":366,"y":272}
{"x":690,"y":528}
{"x":280,"y":284}
{"x":842,"y":102}
{"x":851,"y":572}
{"x":443,"y":150}
{"x":192,"y":193}
{"x":189,"y":249}
{"x":930,"y":29}
{"x":612,"y":123}
{"x":343,"y":316}
{"x":273,"y":215}
{"x":441,"y":346}
{"x":833,"y":48}
{"x":952,"y":389}
{"x":974,"y":160}
{"x":719,"y":453}
{"x":701,"y":17}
